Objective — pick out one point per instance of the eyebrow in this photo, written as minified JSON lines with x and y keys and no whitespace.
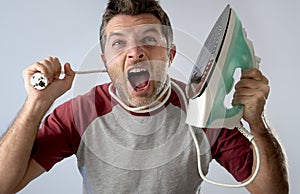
{"x":122,"y":34}
{"x":152,"y":29}
{"x":115,"y":34}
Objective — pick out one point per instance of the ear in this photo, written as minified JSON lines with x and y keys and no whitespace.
{"x":172,"y":54}
{"x":103,"y":59}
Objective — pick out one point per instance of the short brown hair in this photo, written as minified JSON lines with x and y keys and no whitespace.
{"x":135,"y":7}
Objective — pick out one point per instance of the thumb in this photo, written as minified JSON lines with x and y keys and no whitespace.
{"x":69,"y":74}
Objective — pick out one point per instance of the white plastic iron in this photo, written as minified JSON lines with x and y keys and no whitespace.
{"x":226,"y":49}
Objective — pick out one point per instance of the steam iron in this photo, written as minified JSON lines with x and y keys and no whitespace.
{"x":226,"y":49}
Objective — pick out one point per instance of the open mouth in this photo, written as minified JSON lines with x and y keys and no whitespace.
{"x":139,"y":78}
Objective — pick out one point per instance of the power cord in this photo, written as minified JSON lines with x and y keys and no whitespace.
{"x":241,"y":129}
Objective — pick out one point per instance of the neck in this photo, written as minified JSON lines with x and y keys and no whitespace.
{"x":157,"y":103}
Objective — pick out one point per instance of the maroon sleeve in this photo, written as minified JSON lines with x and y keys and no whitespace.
{"x":57,"y":139}
{"x":232,"y":150}
{"x":61,"y":131}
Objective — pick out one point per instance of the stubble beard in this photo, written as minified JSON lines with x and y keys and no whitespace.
{"x":143,"y":100}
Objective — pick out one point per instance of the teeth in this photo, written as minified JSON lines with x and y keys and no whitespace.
{"x":137,"y":70}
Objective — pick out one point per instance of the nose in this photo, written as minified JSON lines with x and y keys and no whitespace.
{"x":135,"y":53}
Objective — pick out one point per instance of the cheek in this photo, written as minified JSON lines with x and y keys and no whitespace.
{"x":115,"y":67}
{"x":159,"y":71}
{"x":160,"y":64}
{"x":161,"y":56}
{"x":117,"y":76}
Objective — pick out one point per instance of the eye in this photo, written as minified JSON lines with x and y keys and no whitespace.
{"x":118,"y":43}
{"x":149,"y":40}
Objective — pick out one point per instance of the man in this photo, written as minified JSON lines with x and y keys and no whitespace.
{"x":129,"y":136}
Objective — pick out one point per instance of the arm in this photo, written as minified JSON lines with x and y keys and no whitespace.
{"x":17,"y":143}
{"x":33,"y":170}
{"x":252,"y":90}
{"x":273,"y":176}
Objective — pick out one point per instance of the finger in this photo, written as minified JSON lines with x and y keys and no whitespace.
{"x":69,"y":75}
{"x":253,"y":93}
{"x":53,"y":67}
{"x":245,"y":92}
{"x":254,"y":74}
{"x":249,"y":102}
{"x":39,"y":66}
{"x":50,"y":67}
{"x":252,"y":106}
{"x":257,"y":100}
{"x":68,"y":70}
{"x":252,"y":86}
{"x":57,"y":70}
{"x":249,"y":83}
{"x":246,"y":96}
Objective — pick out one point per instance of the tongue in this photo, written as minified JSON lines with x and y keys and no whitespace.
{"x":139,"y":80}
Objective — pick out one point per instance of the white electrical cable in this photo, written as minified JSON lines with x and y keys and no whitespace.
{"x":88,"y":71}
{"x":247,"y":134}
{"x":147,"y":108}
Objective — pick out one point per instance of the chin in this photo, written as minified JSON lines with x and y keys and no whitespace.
{"x":141,"y":102}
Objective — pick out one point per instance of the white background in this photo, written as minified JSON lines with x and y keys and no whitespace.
{"x":32,"y":30}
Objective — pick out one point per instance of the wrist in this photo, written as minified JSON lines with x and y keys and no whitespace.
{"x":259,"y":128}
{"x":34,"y":110}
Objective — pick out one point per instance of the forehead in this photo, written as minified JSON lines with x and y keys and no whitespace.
{"x":122,"y":22}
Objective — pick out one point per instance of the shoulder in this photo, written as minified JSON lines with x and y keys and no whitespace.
{"x":81,"y":110}
{"x":178,"y":97}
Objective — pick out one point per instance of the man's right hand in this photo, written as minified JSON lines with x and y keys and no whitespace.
{"x":51,"y":68}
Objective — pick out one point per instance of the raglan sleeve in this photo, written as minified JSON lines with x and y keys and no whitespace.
{"x":232,"y":151}
{"x":57,"y":138}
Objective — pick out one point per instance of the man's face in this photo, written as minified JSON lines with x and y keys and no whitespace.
{"x":137,"y":57}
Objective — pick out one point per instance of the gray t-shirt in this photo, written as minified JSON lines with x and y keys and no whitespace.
{"x":119,"y":151}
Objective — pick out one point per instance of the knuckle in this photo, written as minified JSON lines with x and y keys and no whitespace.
{"x":56,"y":60}
{"x":44,"y":62}
{"x":24,"y":72}
{"x":256,"y":72}
{"x":266,"y":80}
{"x":266,"y":91}
{"x":267,"y":88}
